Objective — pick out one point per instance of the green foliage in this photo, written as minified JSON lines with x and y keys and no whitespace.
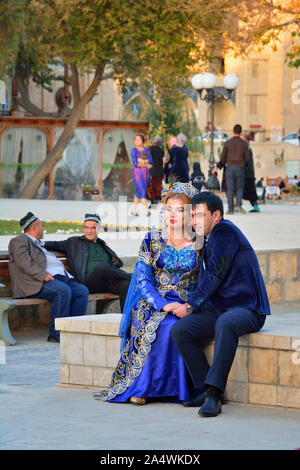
{"x":12,"y":227}
{"x":293,"y":57}
{"x":165,"y":116}
{"x":152,"y":41}
{"x":191,"y":130}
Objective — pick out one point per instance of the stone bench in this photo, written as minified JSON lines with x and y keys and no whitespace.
{"x":265,"y":371}
{"x":89,"y":349}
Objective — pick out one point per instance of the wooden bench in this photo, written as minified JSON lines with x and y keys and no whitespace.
{"x":7,"y":303}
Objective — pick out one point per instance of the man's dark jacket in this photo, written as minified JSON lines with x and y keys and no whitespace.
{"x":77,"y":252}
{"x":157,"y":161}
{"x":235,"y":152}
{"x":230,"y":275}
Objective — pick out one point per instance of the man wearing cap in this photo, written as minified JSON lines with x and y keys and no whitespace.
{"x":92,"y":262}
{"x":37,"y":273}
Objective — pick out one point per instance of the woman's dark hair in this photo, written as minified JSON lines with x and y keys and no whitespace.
{"x":212,"y":201}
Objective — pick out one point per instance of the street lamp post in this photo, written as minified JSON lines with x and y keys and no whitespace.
{"x":205,"y":84}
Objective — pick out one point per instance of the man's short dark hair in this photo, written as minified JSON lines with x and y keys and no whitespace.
{"x":212,"y":201}
{"x":237,"y":129}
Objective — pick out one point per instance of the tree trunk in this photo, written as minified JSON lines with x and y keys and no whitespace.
{"x":56,"y":153}
{"x":23,"y":100}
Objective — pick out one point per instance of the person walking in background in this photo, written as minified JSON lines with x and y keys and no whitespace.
{"x":142,"y":162}
{"x":179,"y":160}
{"x":156,"y":172}
{"x":167,"y":164}
{"x":235,"y":156}
{"x":250,"y":193}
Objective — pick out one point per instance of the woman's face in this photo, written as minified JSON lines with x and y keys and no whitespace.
{"x":138,"y":141}
{"x":176,"y":214}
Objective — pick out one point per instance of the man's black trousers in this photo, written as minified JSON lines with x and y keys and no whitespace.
{"x":191,"y":333}
{"x":107,"y":278}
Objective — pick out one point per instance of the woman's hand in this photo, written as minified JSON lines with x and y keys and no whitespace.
{"x":171,"y":306}
{"x":143,"y":163}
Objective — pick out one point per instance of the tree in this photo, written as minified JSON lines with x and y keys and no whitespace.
{"x":146,"y":40}
{"x":256,"y":23}
{"x":149,"y":41}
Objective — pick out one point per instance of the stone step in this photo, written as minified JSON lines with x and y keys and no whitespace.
{"x":266,"y":369}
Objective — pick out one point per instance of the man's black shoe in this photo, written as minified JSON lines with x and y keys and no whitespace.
{"x":198,"y":400}
{"x":210,"y":407}
{"x":53,"y":339}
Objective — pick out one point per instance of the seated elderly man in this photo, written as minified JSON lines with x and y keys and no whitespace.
{"x":92,"y":262}
{"x":37,"y":273}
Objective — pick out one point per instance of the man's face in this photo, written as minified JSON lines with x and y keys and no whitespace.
{"x":37,"y":229}
{"x":203,"y":221}
{"x":90,"y":230}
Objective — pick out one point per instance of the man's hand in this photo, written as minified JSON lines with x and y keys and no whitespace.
{"x":171,"y":307}
{"x":49,"y":278}
{"x":180,"y":311}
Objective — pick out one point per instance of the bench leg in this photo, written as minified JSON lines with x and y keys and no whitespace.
{"x":5,"y":334}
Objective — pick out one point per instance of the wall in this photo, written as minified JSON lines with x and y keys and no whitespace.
{"x":264,"y":154}
{"x":264,"y":95}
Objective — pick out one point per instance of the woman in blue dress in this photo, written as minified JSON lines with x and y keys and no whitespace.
{"x":165,"y":274}
{"x":142,"y":162}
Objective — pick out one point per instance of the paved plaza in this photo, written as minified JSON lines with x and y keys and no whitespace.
{"x":277,"y":226}
{"x":37,"y":414}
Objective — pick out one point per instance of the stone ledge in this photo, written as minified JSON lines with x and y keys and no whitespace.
{"x":94,"y":324}
{"x":265,"y":371}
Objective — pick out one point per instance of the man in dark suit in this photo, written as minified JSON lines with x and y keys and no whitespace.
{"x":230,"y":301}
{"x":37,"y":273}
{"x":92,"y":262}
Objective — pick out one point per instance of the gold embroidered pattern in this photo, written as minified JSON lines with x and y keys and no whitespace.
{"x":131,"y":363}
{"x":145,"y":319}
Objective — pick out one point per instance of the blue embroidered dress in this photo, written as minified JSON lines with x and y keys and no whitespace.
{"x":150,"y":365}
{"x":140,"y":174}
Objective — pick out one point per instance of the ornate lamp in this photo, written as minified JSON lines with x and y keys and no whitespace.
{"x":205,"y":84}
